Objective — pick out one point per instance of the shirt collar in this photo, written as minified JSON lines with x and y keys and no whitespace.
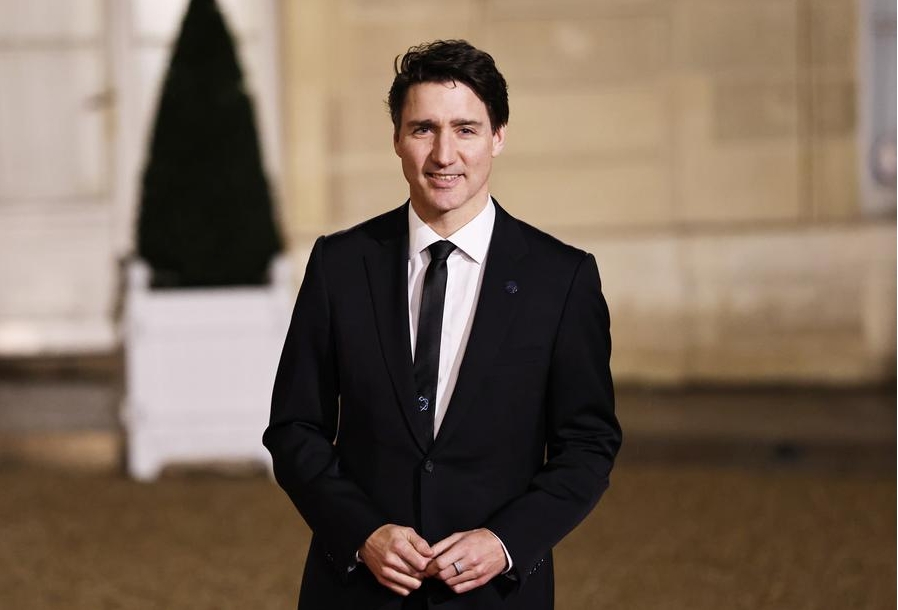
{"x":473,"y":239}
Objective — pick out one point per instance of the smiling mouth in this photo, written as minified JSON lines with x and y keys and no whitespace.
{"x":443,"y":178}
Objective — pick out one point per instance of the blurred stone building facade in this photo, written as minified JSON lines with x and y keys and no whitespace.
{"x":712,"y":154}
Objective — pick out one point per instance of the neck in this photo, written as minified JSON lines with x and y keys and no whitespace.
{"x":446,"y":223}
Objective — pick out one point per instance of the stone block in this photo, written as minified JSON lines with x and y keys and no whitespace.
{"x":359,"y":194}
{"x":559,"y":53}
{"x":367,"y":50}
{"x":788,"y":305}
{"x":40,"y":20}
{"x":747,"y":109}
{"x":629,"y":121}
{"x":359,"y":122}
{"x":834,"y":179}
{"x":753,"y":179}
{"x":833,"y":33}
{"x":55,"y":145}
{"x":833,"y":107}
{"x":576,"y":9}
{"x":582,"y":194}
{"x":306,"y":159}
{"x":391,"y":12}
{"x":721,"y":36}
{"x":59,"y":280}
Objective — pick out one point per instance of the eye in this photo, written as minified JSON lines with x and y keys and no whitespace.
{"x":467,"y":131}
{"x":421,"y":130}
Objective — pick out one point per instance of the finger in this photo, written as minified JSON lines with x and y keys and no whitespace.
{"x":446,"y":543}
{"x":439,"y":564}
{"x":403,"y":591}
{"x":471,"y":578}
{"x":443,"y":563}
{"x":468,"y":572}
{"x":448,"y":572}
{"x":397,"y":562}
{"x":396,"y":580}
{"x":468,"y":585}
{"x":410,"y":555}
{"x":420,"y":545}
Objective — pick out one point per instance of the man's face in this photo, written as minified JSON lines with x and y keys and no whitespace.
{"x":447,"y":147}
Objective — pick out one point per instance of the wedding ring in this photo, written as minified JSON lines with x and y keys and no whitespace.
{"x":457,"y":567}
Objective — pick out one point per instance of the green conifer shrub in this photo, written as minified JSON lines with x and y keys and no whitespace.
{"x":206,"y":214}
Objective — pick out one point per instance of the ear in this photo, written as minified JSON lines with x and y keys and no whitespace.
{"x":396,"y":142}
{"x":498,"y":141}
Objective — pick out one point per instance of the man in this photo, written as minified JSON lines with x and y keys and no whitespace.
{"x":443,"y":409}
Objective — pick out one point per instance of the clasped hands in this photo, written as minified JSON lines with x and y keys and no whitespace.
{"x":400,"y":559}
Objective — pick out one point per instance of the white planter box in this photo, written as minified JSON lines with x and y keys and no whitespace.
{"x":200,"y":365}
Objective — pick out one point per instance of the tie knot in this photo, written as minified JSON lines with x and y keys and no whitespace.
{"x":440,"y":250}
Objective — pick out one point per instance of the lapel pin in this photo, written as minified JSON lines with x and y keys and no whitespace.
{"x":511,"y":287}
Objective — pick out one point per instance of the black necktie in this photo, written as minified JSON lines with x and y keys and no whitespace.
{"x":430,"y":326}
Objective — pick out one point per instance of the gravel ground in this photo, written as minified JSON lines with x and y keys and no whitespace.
{"x":690,"y":536}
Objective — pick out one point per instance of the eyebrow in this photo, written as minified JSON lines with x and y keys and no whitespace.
{"x":454,"y":123}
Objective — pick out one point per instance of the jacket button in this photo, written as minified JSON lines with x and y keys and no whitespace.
{"x":428,"y":466}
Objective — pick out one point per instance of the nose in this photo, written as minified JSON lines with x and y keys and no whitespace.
{"x":443,"y":152}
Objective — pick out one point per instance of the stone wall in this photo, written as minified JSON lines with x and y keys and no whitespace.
{"x":704,"y":150}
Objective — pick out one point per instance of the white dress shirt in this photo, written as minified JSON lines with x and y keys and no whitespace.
{"x":465,"y":267}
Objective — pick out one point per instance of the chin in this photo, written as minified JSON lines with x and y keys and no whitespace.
{"x":443,"y":204}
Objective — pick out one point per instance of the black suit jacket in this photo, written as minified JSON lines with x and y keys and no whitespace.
{"x":529,"y":436}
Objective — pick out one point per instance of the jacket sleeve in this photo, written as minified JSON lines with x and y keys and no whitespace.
{"x":303,"y":425}
{"x":583,"y":434}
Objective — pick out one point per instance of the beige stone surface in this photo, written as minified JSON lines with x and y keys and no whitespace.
{"x":833,"y":105}
{"x":751,"y":184}
{"x":586,"y":51}
{"x":306,"y":27}
{"x":834,"y":186}
{"x":808,"y":305}
{"x":753,"y":109}
{"x":784,"y":305}
{"x":625,"y":121}
{"x":366,"y":50}
{"x":390,"y":12}
{"x":360,"y":124}
{"x":585,"y":194}
{"x":358,"y":195}
{"x":832,"y":28}
{"x":529,"y":9}
{"x":722,"y":35}
{"x":749,"y":179}
{"x":832,"y":145}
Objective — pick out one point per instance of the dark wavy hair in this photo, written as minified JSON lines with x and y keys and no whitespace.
{"x":444,"y":61}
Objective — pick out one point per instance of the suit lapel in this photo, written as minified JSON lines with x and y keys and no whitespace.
{"x":498,"y":303}
{"x":387,"y":267}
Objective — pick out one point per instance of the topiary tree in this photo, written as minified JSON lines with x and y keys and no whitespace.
{"x":206,"y":215}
